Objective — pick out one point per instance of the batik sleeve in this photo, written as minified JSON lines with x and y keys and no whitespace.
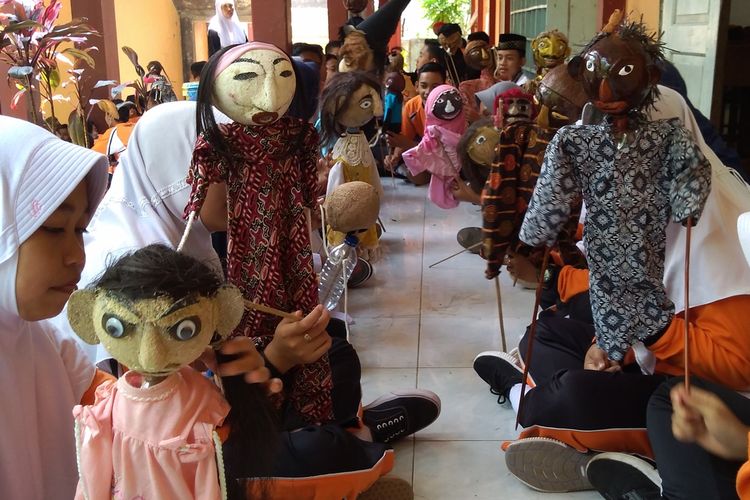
{"x":207,"y":167}
{"x":691,"y":174}
{"x":556,"y":191}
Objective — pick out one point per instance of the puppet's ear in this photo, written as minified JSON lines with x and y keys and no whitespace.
{"x":81,"y":315}
{"x":575,"y":66}
{"x":231,"y":308}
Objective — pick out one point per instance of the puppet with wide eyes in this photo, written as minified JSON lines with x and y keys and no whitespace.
{"x":267,"y":162}
{"x":550,"y":49}
{"x":479,"y":56}
{"x":151,"y":434}
{"x":476,"y":152}
{"x":436,"y":152}
{"x":348,"y":102}
{"x":634,"y":174}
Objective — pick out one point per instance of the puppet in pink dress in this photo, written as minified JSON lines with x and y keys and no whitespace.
{"x":436,"y":152}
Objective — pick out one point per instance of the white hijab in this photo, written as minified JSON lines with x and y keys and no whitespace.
{"x":231,"y":30}
{"x":42,"y":373}
{"x":718,"y":268}
{"x":145,"y":202}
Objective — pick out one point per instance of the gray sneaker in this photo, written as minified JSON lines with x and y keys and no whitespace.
{"x":548,"y":465}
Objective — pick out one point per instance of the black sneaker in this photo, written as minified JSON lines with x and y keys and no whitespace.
{"x":400,"y":413}
{"x":548,"y":465}
{"x":469,"y":238}
{"x":360,"y":274}
{"x":619,"y":476}
{"x":500,"y":371}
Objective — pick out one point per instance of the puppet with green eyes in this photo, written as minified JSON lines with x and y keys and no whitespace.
{"x":267,"y":161}
{"x":635,"y":175}
{"x":152,"y":433}
{"x":348,"y":102}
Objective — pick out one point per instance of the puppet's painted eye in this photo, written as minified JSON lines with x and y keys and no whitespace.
{"x":246,"y":76}
{"x":114,"y":326}
{"x":366,"y":104}
{"x":481,"y":140}
{"x":286,"y":73}
{"x":590,"y":65}
{"x":626,"y":70}
{"x":187,"y":328}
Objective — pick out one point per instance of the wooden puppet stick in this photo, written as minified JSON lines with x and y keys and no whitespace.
{"x":500,"y":313}
{"x":467,"y":249}
{"x":249,"y":304}
{"x":532,"y":332}
{"x":686,"y":339}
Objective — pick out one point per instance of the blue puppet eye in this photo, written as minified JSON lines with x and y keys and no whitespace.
{"x":114,"y":326}
{"x":186,"y":329}
{"x":590,"y":65}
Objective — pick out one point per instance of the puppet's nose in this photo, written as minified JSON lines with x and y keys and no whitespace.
{"x":152,"y":354}
{"x":449,"y":107}
{"x":605,"y":91}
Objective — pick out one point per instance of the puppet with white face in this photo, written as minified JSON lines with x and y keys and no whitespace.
{"x":436,"y":152}
{"x":155,"y":311}
{"x":265,"y":167}
{"x":350,"y":101}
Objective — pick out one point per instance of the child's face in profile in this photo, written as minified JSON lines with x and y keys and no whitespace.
{"x":50,"y":262}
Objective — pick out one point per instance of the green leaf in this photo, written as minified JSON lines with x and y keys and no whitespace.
{"x":51,"y":78}
{"x":81,"y":55}
{"x":21,"y":26}
{"x":20,"y":72}
{"x":76,"y":129}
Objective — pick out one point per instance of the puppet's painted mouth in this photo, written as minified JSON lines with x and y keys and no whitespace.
{"x":613,"y":107}
{"x":265,"y":117}
{"x":516,"y":118}
{"x":450,"y":116}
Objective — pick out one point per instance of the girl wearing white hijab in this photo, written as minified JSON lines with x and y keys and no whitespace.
{"x":48,"y":188}
{"x":225,"y":28}
{"x":144,"y":204}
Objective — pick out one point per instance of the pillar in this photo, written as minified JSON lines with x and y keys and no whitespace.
{"x":337,"y":16}
{"x":271,"y":22}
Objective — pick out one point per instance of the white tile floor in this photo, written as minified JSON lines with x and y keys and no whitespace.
{"x":422,"y":327}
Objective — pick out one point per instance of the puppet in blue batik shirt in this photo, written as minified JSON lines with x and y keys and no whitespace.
{"x":634,"y":176}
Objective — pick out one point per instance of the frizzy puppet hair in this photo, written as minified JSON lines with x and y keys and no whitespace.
{"x":205,"y":121}
{"x":334,"y":97}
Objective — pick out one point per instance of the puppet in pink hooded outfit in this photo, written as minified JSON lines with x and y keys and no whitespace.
{"x":436,"y":152}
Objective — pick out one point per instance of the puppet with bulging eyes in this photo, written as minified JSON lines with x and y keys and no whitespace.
{"x":348,"y":102}
{"x":267,"y":161}
{"x":436,"y":152}
{"x":634,"y":175}
{"x":152,"y":433}
{"x":550,"y":49}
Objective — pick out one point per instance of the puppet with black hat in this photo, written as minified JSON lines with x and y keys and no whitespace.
{"x":450,"y":39}
{"x":511,"y":56}
{"x":365,"y":47}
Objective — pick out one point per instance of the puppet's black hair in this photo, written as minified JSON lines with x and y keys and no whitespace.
{"x":474,"y":173}
{"x":156,"y":271}
{"x":205,"y":120}
{"x":333,"y":99}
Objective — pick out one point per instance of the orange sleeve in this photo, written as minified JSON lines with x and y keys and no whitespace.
{"x":572,"y":281}
{"x":719,"y":343}
{"x":99,"y":378}
{"x":407,"y":127}
{"x":100,"y":144}
{"x":743,"y":478}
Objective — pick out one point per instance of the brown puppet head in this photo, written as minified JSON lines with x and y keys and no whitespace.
{"x":156,"y":310}
{"x":619,"y":70}
{"x":352,"y":207}
{"x":550,"y":48}
{"x":349,"y":101}
{"x":476,"y":151}
{"x":479,"y":55}
{"x":561,"y":96}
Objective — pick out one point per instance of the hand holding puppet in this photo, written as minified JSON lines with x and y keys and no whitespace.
{"x":349,"y":101}
{"x":634,"y":174}
{"x":268,"y":162}
{"x":436,"y":152}
{"x":152,"y":433}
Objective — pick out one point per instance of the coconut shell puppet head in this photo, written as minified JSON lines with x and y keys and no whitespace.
{"x":550,"y":49}
{"x":352,"y":207}
{"x":561,"y":96}
{"x":395,"y":83}
{"x":476,"y":152}
{"x":479,"y":55}
{"x":156,"y":310}
{"x":349,"y":101}
{"x":619,"y":69}
{"x":365,"y":48}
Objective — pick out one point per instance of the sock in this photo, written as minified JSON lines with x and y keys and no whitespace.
{"x":515,"y":396}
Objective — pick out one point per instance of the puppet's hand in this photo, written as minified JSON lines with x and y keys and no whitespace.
{"x":701,"y":417}
{"x":462,"y":192}
{"x":597,"y":359}
{"x":299,"y":342}
{"x":391,"y":161}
